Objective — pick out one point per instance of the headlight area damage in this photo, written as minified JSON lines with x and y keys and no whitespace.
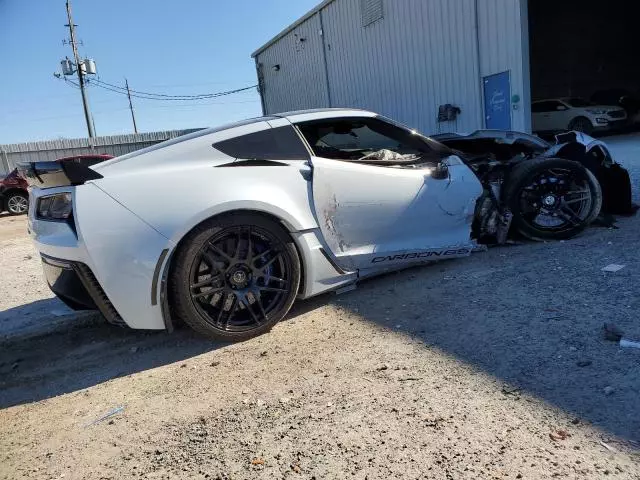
{"x":540,"y":190}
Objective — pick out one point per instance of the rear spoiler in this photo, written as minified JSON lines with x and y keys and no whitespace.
{"x":56,"y":173}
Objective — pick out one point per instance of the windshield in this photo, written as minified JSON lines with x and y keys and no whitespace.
{"x":433,"y":143}
{"x":579,"y":102}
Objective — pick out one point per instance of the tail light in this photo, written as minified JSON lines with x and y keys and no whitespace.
{"x":55,"y":207}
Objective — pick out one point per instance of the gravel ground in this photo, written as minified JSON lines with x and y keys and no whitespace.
{"x":488,"y":367}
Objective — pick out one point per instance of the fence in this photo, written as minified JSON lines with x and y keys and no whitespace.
{"x":13,"y":153}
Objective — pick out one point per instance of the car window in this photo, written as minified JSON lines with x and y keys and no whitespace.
{"x":357,"y":138}
{"x":280,"y":143}
{"x":545,"y":106}
{"x":579,"y":102}
{"x":537,"y":107}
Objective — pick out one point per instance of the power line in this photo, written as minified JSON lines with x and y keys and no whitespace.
{"x":159,"y":96}
{"x":166,"y":97}
{"x":188,"y":105}
{"x":176,"y":85}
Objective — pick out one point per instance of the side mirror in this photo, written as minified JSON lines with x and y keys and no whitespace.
{"x":561,"y":108}
{"x":441,"y":172}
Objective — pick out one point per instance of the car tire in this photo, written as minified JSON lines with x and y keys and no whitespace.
{"x":581,"y":124}
{"x":234,"y":277}
{"x":17,"y":203}
{"x":560,"y":191}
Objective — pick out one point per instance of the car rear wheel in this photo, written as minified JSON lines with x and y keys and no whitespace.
{"x":235,"y":277}
{"x":581,"y":124}
{"x":552,"y":198}
{"x":17,"y":203}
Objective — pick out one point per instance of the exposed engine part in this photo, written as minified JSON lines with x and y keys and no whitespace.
{"x":485,"y":224}
{"x":496,"y":188}
{"x":504,"y":224}
{"x":492,"y":223}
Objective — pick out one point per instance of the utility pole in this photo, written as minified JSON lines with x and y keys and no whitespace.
{"x":133,"y":116}
{"x":79,"y":69}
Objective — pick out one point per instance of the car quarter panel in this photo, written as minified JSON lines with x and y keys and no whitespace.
{"x":120,"y":249}
{"x":175,"y":199}
{"x":178,"y":186}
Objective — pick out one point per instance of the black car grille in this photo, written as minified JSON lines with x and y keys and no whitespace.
{"x":616,"y":114}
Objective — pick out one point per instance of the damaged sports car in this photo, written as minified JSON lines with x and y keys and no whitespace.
{"x":224,"y":228}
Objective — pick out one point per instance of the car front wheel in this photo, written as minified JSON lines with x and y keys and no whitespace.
{"x":552,"y":198}
{"x":235,"y":277}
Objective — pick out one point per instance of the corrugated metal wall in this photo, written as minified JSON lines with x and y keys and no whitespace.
{"x":418,"y":56}
{"x":300,"y":82}
{"x":115,"y":145}
{"x":421,"y":54}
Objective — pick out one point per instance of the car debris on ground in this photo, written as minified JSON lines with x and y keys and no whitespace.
{"x":614,"y":334}
{"x":106,"y":416}
{"x":613,"y":267}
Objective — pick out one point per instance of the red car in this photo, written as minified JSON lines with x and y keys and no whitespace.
{"x":14,"y":197}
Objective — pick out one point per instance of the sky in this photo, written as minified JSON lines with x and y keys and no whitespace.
{"x":183,"y":47}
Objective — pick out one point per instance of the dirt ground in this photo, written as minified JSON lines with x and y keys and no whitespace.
{"x":491,"y":367}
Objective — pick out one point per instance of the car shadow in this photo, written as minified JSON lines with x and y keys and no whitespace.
{"x":50,"y":355}
{"x":536,"y":327}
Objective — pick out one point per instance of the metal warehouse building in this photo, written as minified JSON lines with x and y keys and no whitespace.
{"x":449,"y":65}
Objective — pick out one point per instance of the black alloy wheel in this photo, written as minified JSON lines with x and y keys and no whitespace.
{"x":552,"y":198}
{"x":235,"y":277}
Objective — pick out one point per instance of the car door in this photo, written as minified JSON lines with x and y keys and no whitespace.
{"x":562,"y":115}
{"x":379,"y":211}
{"x":544,"y":115}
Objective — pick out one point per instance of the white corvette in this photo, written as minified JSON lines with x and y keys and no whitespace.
{"x":224,"y":228}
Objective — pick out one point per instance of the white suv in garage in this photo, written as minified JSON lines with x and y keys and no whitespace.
{"x":575,"y":114}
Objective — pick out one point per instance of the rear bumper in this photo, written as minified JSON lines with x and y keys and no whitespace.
{"x":75,"y":284}
{"x":65,"y":282}
{"x":105,"y":259}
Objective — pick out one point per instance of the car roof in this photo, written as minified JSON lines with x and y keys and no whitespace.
{"x":296,"y":116}
{"x":323,"y":113}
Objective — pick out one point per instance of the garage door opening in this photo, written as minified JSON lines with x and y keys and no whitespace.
{"x":585,"y":73}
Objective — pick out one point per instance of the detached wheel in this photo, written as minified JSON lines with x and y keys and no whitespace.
{"x":552,"y":198}
{"x":581,"y":124}
{"x":17,"y":203}
{"x":235,"y":277}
